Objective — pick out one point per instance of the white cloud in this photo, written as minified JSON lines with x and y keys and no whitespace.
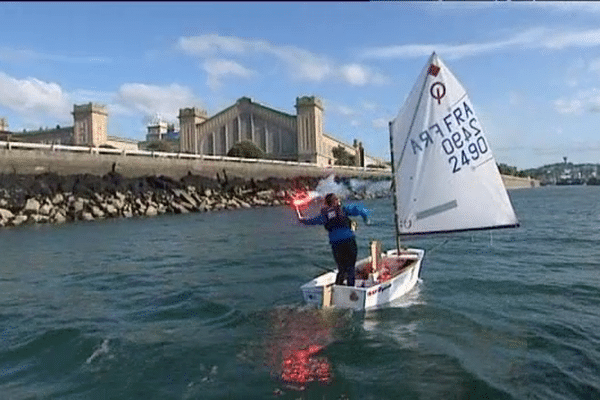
{"x":343,"y":110}
{"x":359,"y":75}
{"x":301,"y":64}
{"x":206,"y":45}
{"x":565,"y":106}
{"x":95,"y":96}
{"x":575,"y":72}
{"x":380,"y":123}
{"x":584,"y":100}
{"x":149,"y":100}
{"x":8,"y":54}
{"x":589,"y":38}
{"x":594,"y":65}
{"x":568,"y":7}
{"x":516,"y":99}
{"x":33,"y":96}
{"x":369,"y":106}
{"x":550,"y":39}
{"x":219,"y":68}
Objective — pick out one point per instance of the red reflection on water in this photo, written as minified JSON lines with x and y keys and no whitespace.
{"x":295,"y":344}
{"x":303,"y":366}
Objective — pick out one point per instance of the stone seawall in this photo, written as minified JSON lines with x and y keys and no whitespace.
{"x":515,"y":182}
{"x":57,"y":187}
{"x":52,"y":198}
{"x":44,"y":186}
{"x":22,"y":162}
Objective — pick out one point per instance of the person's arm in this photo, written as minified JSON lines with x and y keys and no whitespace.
{"x":357,"y":210}
{"x":318,"y":220}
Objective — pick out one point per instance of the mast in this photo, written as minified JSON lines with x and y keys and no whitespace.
{"x":394,"y":183}
{"x":394,"y":188}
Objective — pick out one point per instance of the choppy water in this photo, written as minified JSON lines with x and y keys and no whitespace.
{"x":207,"y":306}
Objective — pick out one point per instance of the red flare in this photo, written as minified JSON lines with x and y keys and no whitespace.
{"x":300,"y":200}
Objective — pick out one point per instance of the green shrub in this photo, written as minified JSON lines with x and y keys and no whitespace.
{"x":246,"y":149}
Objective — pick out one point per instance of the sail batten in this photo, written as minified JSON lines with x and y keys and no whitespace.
{"x":487,"y":228}
{"x":445,"y":175}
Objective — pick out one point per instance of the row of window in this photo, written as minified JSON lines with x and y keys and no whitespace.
{"x":270,"y":137}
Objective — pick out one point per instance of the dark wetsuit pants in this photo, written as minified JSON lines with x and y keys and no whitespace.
{"x":344,"y":253}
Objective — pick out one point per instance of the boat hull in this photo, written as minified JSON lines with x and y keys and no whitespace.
{"x":367,"y":293}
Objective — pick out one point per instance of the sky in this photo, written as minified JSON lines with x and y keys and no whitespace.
{"x":532,"y":69}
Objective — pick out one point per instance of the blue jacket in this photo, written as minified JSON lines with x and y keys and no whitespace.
{"x":341,"y":233}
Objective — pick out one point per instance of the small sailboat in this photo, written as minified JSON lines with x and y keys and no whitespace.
{"x":445,"y":179}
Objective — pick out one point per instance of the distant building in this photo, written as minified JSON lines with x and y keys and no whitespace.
{"x":91,"y":125}
{"x":121,"y":143}
{"x":4,"y":133}
{"x":280,"y":135}
{"x":161,"y":130}
{"x":90,"y":128}
{"x":163,"y":133}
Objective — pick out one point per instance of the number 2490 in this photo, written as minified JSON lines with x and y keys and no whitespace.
{"x":472,"y":153}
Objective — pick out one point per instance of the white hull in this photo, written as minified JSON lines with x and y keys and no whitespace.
{"x":367,"y":292}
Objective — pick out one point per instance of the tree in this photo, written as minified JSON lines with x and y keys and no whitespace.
{"x":342,"y":157}
{"x":159,"y":145}
{"x":246,"y":149}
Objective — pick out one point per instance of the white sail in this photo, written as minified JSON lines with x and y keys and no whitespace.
{"x":445,"y":176}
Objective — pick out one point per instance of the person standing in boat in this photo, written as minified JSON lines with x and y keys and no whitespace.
{"x":341,"y":235}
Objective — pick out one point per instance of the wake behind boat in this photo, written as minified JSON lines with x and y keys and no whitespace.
{"x":445,"y":179}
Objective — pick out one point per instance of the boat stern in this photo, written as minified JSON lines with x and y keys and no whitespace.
{"x":348,"y":297}
{"x":313,"y":291}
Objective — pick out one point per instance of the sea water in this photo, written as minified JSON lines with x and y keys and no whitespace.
{"x":208,"y":306}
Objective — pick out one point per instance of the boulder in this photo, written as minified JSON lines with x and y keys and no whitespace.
{"x":59,"y":218}
{"x":19,"y":219}
{"x":97,"y":212}
{"x":5,"y":214}
{"x":151,"y":211}
{"x":86,"y":216}
{"x":111,"y":210}
{"x":32,"y":206}
{"x":183,"y":195}
{"x":46,"y":209}
{"x":178,"y":208}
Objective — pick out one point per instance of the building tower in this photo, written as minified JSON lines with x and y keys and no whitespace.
{"x":90,"y":125}
{"x":309,"y":111}
{"x":359,"y":151}
{"x":188,"y":136}
{"x":157,"y":129}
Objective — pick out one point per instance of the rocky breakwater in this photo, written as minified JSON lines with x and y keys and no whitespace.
{"x":50,"y":198}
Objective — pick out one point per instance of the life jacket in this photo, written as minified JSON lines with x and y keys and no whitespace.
{"x":335,"y":218}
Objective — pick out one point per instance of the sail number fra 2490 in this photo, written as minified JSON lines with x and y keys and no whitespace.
{"x":458,"y":133}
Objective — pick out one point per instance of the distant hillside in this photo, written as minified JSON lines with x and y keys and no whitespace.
{"x":512,"y":171}
{"x":566,"y":173}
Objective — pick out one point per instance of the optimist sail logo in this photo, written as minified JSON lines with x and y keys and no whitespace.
{"x":438,"y":90}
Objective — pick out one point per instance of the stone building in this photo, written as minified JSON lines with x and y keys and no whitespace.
{"x":89,"y":129}
{"x":4,"y":132}
{"x":156,"y":130}
{"x":161,"y":130}
{"x":91,"y":125}
{"x":280,"y":135}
